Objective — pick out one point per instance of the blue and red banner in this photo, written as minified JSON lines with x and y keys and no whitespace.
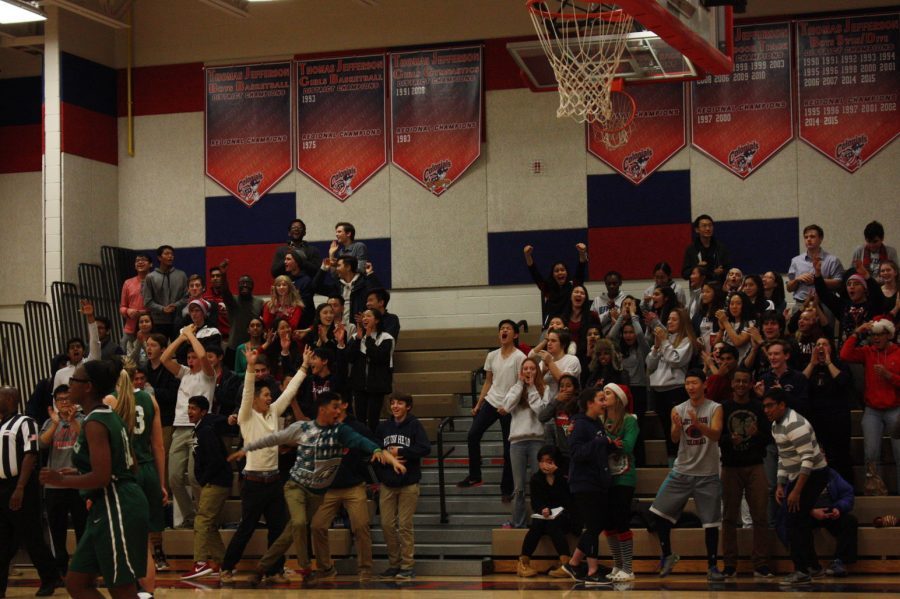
{"x":657,"y":132}
{"x":248,"y":127}
{"x":742,"y":119}
{"x":436,"y":114}
{"x":848,"y":86}
{"x":341,"y":121}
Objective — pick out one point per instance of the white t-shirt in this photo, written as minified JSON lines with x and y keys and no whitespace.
{"x":192,"y":384}
{"x":568,"y":364}
{"x":506,"y":374}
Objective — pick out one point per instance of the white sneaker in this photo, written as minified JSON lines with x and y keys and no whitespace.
{"x":612,"y":575}
{"x":622,"y":576}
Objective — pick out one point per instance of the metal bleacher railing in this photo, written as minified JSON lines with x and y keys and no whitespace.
{"x":26,"y":351}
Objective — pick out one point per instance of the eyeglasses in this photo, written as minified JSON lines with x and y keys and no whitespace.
{"x":78,"y":380}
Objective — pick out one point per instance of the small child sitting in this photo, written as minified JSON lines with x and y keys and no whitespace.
{"x":549,"y":490}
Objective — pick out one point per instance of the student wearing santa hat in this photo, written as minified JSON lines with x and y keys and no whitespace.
{"x":621,"y":426}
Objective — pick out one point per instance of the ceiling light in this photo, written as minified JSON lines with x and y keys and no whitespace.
{"x":16,"y":11}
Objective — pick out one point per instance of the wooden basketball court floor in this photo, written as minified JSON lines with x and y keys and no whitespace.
{"x":504,"y":585}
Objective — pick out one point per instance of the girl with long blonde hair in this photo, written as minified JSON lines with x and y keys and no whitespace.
{"x":285,"y":303}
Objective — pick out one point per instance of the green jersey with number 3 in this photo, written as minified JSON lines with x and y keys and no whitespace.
{"x":121,"y":459}
{"x":143,"y":427}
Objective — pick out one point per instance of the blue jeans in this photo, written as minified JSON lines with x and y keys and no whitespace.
{"x":874,"y":423}
{"x":487,"y":415}
{"x":523,"y":458}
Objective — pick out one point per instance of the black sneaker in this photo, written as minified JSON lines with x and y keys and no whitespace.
{"x":469,"y":482}
{"x":159,"y":558}
{"x":729,"y":572}
{"x":577,"y":573}
{"x":390,"y":573}
{"x":405,"y":574}
{"x":816,"y":572}
{"x":596,"y":580}
{"x":49,"y":588}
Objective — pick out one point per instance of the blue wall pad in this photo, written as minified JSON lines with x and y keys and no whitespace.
{"x":20,"y":101}
{"x":88,"y":84}
{"x":506,"y":263}
{"x":231,"y":222}
{"x":663,"y":199}
{"x":760,"y":245}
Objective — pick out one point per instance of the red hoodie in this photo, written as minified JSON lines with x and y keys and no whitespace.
{"x":880,"y":393}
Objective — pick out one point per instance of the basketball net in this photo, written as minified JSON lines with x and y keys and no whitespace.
{"x":584,"y":42}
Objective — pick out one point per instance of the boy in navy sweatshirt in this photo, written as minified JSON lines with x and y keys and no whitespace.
{"x":214,"y":475}
{"x":405,"y":438}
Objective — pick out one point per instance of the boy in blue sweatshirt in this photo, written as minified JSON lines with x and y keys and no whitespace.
{"x":214,"y":475}
{"x":404,"y":437}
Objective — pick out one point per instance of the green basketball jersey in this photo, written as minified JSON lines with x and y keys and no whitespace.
{"x":119,"y":445}
{"x":143,"y":427}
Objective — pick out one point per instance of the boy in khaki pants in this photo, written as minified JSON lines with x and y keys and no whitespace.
{"x":404,"y":437}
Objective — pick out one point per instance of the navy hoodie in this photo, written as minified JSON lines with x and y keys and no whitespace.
{"x":211,"y":466}
{"x":414,"y":445}
{"x":589,"y":468}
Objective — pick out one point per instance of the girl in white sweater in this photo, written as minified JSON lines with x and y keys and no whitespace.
{"x":667,"y":362}
{"x":523,"y":402}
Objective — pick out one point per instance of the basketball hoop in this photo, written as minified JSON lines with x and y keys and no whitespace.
{"x":615,"y":131}
{"x":584,"y":42}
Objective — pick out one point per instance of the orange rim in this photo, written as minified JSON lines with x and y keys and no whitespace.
{"x":537,"y":7}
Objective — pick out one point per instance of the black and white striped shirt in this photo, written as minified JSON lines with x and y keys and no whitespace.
{"x":18,"y":436}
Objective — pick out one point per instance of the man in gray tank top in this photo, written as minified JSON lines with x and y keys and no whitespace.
{"x":696,"y":428}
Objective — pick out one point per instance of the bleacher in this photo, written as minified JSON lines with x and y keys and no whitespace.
{"x":436,"y":366}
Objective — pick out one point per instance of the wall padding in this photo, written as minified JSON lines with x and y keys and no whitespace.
{"x":439,"y":241}
{"x":522,"y":127}
{"x":21,"y":253}
{"x":161,"y":188}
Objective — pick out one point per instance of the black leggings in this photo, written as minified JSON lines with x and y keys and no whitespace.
{"x":593,"y":509}
{"x":555,"y":529}
{"x":368,"y":408}
{"x":619,"y":500}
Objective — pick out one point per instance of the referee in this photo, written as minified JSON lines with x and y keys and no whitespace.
{"x":20,"y":495}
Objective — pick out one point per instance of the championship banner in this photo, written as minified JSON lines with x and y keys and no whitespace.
{"x":657,"y":132}
{"x":341,"y":121}
{"x":848,"y":86}
{"x":742,"y":119}
{"x":436,"y":114}
{"x":248,"y":127}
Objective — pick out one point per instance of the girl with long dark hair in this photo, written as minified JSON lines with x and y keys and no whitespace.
{"x":372,"y":356}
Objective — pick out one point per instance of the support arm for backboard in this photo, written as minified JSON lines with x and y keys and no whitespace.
{"x":654,"y":16}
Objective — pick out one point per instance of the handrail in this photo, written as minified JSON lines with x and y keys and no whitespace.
{"x":447,"y":421}
{"x":475,"y":390}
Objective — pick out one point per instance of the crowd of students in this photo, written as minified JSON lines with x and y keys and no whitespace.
{"x":199,"y":372}
{"x":751,"y":396}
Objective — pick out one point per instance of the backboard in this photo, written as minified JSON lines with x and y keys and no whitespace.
{"x":673,"y":40}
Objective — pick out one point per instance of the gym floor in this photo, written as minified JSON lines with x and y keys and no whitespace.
{"x":504,"y":585}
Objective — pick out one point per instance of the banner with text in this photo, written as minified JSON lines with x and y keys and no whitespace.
{"x":436,"y":114}
{"x":657,"y":133}
{"x":742,"y":119}
{"x":848,"y":86}
{"x":341,"y":121}
{"x":248,"y":127}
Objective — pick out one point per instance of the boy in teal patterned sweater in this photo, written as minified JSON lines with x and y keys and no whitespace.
{"x":320,"y":445}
